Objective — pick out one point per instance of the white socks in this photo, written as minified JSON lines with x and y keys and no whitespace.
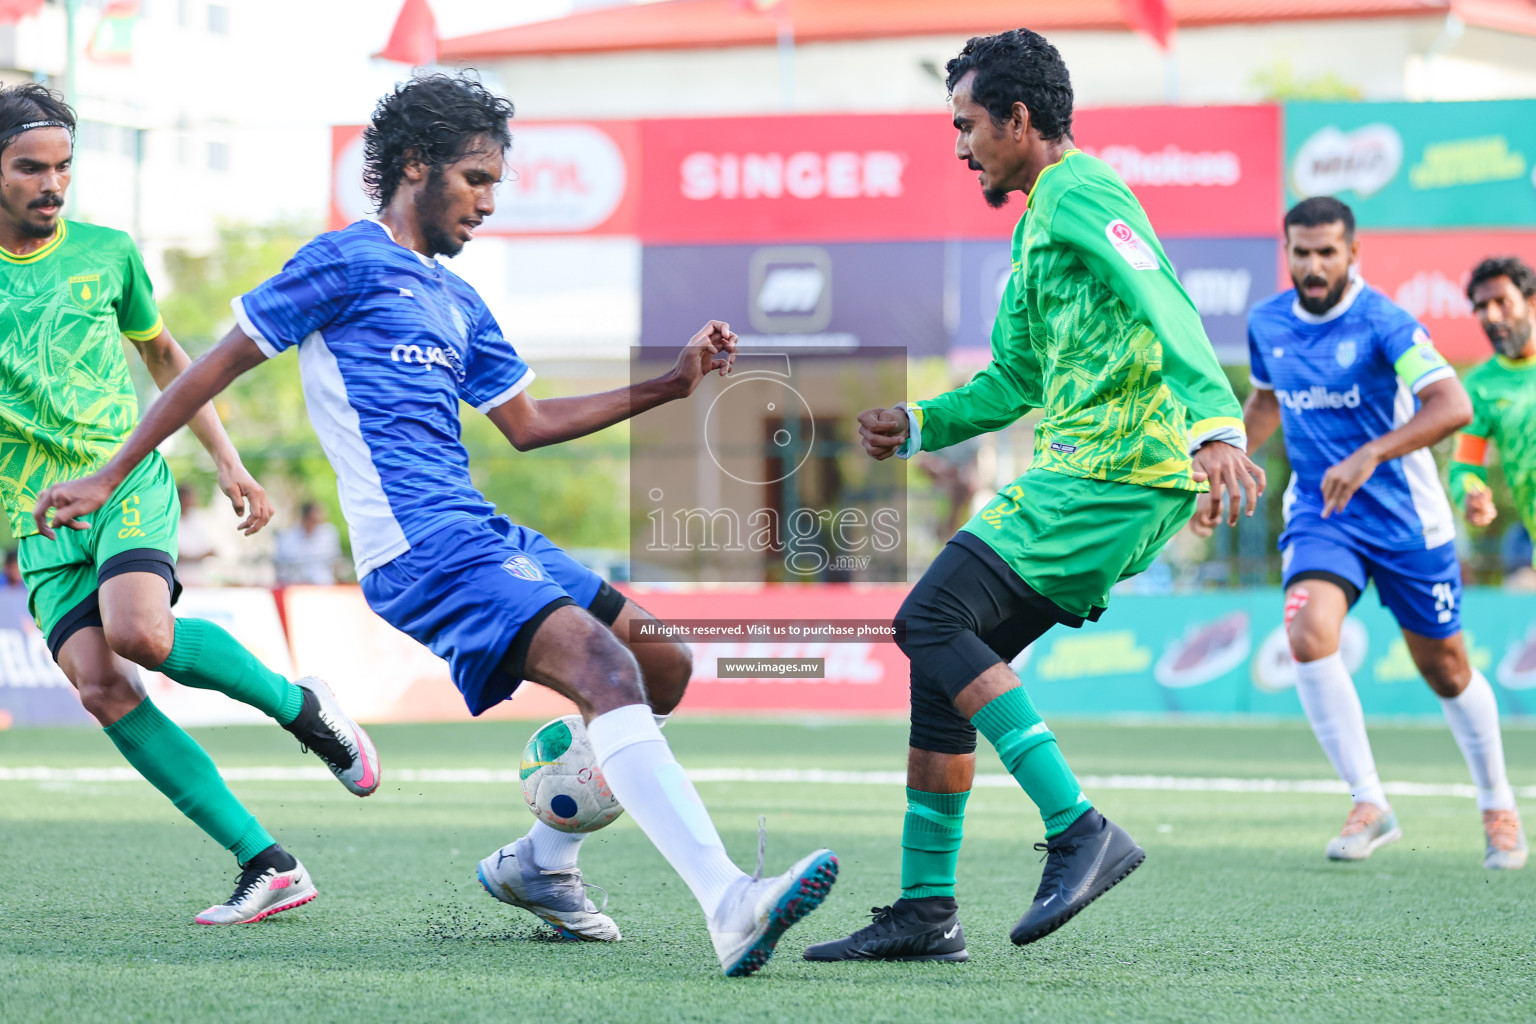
{"x":554,"y":850}
{"x":1474,"y":719}
{"x":1333,"y":707}
{"x":655,"y":791}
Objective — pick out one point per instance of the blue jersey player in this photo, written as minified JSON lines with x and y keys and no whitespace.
{"x":1361,"y":393}
{"x":389,"y":342}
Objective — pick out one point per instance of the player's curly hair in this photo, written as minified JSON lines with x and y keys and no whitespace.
{"x":32,"y":102}
{"x":1018,"y":66}
{"x":1517,"y":270}
{"x":435,"y":117}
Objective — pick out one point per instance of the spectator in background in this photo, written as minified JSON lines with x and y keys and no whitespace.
{"x":957,"y":472}
{"x":196,"y":547}
{"x":13,"y":571}
{"x":1515,"y":558}
{"x":309,"y":552}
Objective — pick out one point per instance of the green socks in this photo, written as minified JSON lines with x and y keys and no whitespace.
{"x":207,"y":657}
{"x":176,"y":766}
{"x":930,"y":843}
{"x":1028,"y":750}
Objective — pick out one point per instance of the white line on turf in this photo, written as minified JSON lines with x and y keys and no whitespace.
{"x":797,"y":776}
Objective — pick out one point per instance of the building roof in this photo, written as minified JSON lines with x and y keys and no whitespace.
{"x":694,"y":24}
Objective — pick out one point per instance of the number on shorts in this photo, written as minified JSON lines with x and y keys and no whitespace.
{"x":1445,"y":601}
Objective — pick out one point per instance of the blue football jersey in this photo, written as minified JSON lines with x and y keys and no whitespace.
{"x":389,"y":341}
{"x":1342,"y":379}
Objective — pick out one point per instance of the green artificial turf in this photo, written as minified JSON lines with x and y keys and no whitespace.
{"x":1236,"y":916}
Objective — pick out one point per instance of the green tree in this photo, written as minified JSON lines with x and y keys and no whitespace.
{"x":1279,"y":82}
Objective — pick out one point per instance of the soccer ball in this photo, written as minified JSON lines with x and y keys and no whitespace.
{"x":562,"y":783}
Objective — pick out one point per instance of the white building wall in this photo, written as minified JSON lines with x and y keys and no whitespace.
{"x":1383,"y":58}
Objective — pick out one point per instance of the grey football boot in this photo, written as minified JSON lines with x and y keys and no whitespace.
{"x":558,"y":897}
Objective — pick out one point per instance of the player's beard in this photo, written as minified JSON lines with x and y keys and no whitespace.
{"x":26,"y":225}
{"x":1317,"y":307}
{"x":432,"y":214}
{"x":1509,"y":340}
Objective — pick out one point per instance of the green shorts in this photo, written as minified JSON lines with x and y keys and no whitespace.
{"x":134,"y":532}
{"x":1072,"y":539}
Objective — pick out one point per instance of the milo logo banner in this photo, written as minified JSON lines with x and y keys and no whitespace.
{"x":1413,"y":165}
{"x":1226,"y":653}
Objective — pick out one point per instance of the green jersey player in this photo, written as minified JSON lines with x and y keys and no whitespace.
{"x":102,"y":592}
{"x":1094,"y":331}
{"x":1503,"y":392}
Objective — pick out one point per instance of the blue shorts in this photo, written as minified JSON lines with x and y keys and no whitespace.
{"x":1421,"y":587}
{"x":467,"y":590}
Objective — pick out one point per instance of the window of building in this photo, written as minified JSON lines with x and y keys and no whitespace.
{"x":218,"y":19}
{"x":218,"y":156}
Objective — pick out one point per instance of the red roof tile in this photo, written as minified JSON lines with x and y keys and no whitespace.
{"x":691,"y":24}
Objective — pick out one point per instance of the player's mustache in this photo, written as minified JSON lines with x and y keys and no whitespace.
{"x":972,"y":164}
{"x":1314,"y":281}
{"x":52,"y":199}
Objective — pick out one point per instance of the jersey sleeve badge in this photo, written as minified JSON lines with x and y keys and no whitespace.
{"x":1130,"y":246}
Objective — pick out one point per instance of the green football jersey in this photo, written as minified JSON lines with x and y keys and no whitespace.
{"x":1503,"y":395}
{"x":67,"y":402}
{"x":1096,"y":331}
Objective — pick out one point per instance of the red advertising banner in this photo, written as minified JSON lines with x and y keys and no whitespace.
{"x":1211,"y":172}
{"x":1207,"y":171}
{"x":381,"y":675}
{"x":576,"y":178}
{"x":1426,"y":273}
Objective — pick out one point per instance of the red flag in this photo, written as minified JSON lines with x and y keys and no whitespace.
{"x":15,"y":10}
{"x":1153,"y":17}
{"x":414,"y":39}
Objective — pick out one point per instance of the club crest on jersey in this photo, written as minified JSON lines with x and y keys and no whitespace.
{"x":85,"y":289}
{"x":523,"y":568}
{"x":1344,"y":355}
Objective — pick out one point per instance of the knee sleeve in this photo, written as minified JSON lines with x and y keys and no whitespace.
{"x":936,"y":724}
{"x":939,"y":638}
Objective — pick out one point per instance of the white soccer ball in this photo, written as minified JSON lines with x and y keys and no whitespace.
{"x":562,"y":783}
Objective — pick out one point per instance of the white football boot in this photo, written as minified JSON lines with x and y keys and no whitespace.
{"x":330,"y":734}
{"x":1506,"y":850}
{"x":1367,"y":828}
{"x":558,"y":897}
{"x":757,"y":911}
{"x":262,"y":891}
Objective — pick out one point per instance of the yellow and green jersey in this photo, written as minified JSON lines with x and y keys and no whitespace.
{"x":1096,"y":331}
{"x":66,"y":400}
{"x":1503,"y":393}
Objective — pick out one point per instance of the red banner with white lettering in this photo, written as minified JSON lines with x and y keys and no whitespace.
{"x":1207,"y":171}
{"x":1426,"y":273}
{"x":1211,"y":172}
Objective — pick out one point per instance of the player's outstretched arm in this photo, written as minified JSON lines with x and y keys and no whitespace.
{"x":210,"y":374}
{"x":1444,"y":407}
{"x":536,"y":422}
{"x":165,"y":360}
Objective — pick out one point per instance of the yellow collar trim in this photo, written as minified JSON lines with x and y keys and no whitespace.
{"x":33,"y":257}
{"x":1050,"y":168}
{"x":1516,"y":364}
